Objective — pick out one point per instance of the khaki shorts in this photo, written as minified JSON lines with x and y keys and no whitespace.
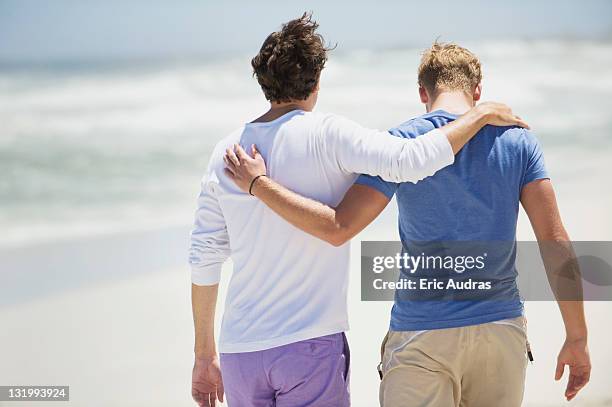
{"x":472,"y":366}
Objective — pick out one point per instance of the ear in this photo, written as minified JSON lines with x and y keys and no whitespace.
{"x":423,"y":94}
{"x":478,"y":92}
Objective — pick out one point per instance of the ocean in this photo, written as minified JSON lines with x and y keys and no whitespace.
{"x":99,"y":170}
{"x":88,"y":148}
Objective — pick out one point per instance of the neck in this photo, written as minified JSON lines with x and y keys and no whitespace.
{"x":452,"y":102}
{"x":278,"y":109}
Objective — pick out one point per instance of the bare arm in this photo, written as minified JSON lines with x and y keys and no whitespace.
{"x":209,"y":248}
{"x":359,"y":207}
{"x":203,"y":304}
{"x":207,"y":385}
{"x":538,"y":200}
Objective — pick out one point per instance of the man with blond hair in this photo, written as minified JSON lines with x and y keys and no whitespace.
{"x":445,"y":349}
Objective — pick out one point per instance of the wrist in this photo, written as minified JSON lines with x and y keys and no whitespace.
{"x":206,"y":354}
{"x":578,"y":336}
{"x":205,"y":348}
{"x":483,"y":115}
{"x":255,"y":182}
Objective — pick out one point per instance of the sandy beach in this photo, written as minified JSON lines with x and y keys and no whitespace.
{"x":127,"y":340}
{"x":129,"y":344}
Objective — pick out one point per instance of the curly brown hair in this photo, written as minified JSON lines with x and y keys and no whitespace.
{"x":290,"y":61}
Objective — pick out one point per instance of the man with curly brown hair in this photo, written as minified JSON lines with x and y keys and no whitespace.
{"x":282,"y":338}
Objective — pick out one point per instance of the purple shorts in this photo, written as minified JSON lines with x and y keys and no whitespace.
{"x":313,"y":373}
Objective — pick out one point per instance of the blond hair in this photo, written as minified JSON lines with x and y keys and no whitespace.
{"x":449,"y":67}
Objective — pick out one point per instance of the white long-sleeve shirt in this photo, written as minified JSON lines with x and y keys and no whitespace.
{"x":286,"y":285}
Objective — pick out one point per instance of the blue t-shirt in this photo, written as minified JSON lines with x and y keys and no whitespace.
{"x":475,"y":199}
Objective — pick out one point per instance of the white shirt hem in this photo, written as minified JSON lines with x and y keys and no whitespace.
{"x":282,"y":340}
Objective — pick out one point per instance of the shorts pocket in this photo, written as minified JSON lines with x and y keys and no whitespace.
{"x":347,"y":358}
{"x":518,"y":323}
{"x":379,"y":367}
{"x":396,"y":341}
{"x":319,"y":347}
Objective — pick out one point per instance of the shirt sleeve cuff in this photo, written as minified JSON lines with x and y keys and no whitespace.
{"x":441,"y":144}
{"x":206,"y":275}
{"x":384,"y":187}
{"x":534,"y":177}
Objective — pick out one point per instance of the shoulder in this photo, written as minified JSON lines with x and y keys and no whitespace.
{"x":333,"y":121}
{"x":226,"y":142}
{"x":320,"y":123}
{"x":334,"y":128}
{"x":412,"y":128}
{"x":216,"y":158}
{"x":517,"y":137}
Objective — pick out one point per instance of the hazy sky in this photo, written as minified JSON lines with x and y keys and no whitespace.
{"x":46,"y":30}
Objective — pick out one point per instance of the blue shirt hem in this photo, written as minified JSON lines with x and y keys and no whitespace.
{"x":456,"y":323}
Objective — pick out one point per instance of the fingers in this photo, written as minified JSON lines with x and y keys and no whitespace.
{"x":237,"y":154}
{"x":572,"y":389}
{"x":208,"y":400}
{"x":254,"y":151}
{"x":220,"y":391}
{"x":521,"y":123}
{"x":503,"y":115}
{"x":242,"y":155}
{"x":559,"y":370}
{"x":200,"y":398}
{"x":229,"y":167}
{"x":576,"y":382}
{"x":196,"y":397}
{"x":510,"y":119}
{"x":231,"y":156}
